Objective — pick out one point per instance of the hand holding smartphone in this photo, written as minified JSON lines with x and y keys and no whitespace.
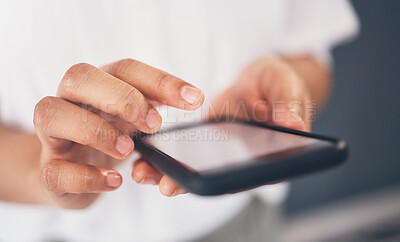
{"x":213,"y":158}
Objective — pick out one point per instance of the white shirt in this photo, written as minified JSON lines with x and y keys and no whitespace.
{"x":205,"y":42}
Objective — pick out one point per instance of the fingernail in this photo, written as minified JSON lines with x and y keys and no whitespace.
{"x":296,"y":121}
{"x":153,"y":119}
{"x":124,"y":145}
{"x":149,"y":181}
{"x":296,"y":116}
{"x":113,"y":179}
{"x":179,"y":191}
{"x":191,"y":94}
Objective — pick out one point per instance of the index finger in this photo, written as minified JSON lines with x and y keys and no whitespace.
{"x":157,"y":85}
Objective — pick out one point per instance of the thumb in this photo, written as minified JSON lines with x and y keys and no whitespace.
{"x":285,"y":92}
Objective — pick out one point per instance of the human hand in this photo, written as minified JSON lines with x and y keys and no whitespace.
{"x":268,"y":91}
{"x":85,"y":130}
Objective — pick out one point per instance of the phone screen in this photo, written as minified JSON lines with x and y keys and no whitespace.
{"x":227,"y":144}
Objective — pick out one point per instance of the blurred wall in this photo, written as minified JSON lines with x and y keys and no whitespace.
{"x":364,"y":110}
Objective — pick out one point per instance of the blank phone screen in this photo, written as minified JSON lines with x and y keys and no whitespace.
{"x":226,"y":144}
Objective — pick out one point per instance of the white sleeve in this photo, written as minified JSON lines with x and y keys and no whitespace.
{"x":315,"y":26}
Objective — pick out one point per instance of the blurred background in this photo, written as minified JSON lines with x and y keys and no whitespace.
{"x":365,"y":111}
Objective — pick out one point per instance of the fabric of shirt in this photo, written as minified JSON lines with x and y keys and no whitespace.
{"x":204,"y":42}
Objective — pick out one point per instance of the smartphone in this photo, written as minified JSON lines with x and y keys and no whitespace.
{"x":219,"y":157}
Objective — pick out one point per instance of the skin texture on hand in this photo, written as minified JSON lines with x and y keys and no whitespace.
{"x":269,"y":90}
{"x":85,"y":130}
{"x":81,"y":135}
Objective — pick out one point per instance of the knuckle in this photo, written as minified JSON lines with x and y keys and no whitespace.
{"x":161,"y":81}
{"x":96,"y":132}
{"x":132,"y":105}
{"x":121,"y":67}
{"x":78,"y":69}
{"x":44,"y":111}
{"x":89,"y":179}
{"x":74,"y":77}
{"x":49,"y":177}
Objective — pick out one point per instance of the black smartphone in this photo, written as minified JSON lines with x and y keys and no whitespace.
{"x":219,"y":157}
